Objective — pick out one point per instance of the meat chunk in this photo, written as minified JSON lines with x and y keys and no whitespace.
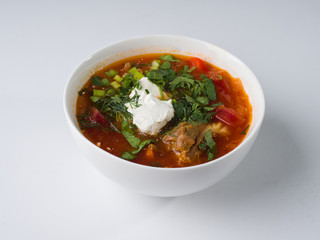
{"x":185,"y":138}
{"x":181,"y":139}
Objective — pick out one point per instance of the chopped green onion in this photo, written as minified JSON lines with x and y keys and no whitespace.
{"x":115,"y":85}
{"x":155,"y":65}
{"x":111,"y":92}
{"x":133,"y":70}
{"x":147,"y":91}
{"x":99,"y":93}
{"x":105,"y":82}
{"x":94,"y":98}
{"x":117,"y":78}
{"x":136,"y":74}
{"x":111,"y":73}
{"x":161,"y":93}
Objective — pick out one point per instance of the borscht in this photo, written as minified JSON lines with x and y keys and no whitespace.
{"x":164,"y":110}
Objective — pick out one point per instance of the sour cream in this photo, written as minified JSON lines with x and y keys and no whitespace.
{"x":153,"y":113}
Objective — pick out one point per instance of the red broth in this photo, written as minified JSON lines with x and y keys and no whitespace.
{"x":235,"y":112}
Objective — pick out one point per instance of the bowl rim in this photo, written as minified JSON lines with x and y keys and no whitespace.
{"x":133,"y":164}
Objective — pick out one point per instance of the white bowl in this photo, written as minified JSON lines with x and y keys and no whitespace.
{"x":164,"y":181}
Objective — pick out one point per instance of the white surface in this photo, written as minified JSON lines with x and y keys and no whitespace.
{"x":49,"y":191}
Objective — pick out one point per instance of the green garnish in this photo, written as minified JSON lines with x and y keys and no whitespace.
{"x":147,"y":91}
{"x":156,"y":75}
{"x":244,"y":131}
{"x":96,"y":81}
{"x":115,"y":85}
{"x":219,"y":76}
{"x":181,"y":82}
{"x":94,"y":98}
{"x":128,"y":133}
{"x":118,"y":78}
{"x":128,"y":156}
{"x":85,"y":121}
{"x":105,"y":82}
{"x":111,"y":92}
{"x":165,"y":65}
{"x":209,"y":144}
{"x":141,"y":146}
{"x":131,"y":155}
{"x":111,"y":73}
{"x":155,"y":164}
{"x":161,"y":93}
{"x":210,"y":88}
{"x":169,"y":58}
{"x":99,"y":93}
{"x":203,"y":100}
{"x":136,"y":74}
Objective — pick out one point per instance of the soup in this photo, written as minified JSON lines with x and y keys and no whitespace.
{"x":164,"y":110}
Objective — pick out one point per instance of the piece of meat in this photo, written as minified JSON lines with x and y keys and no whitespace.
{"x":181,"y":139}
{"x":185,"y":138}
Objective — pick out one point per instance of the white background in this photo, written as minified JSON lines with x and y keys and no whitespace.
{"x":48,"y":190}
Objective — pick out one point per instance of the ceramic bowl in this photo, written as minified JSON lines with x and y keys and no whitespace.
{"x":163,"y":181}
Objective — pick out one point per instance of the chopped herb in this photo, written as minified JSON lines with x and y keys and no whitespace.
{"x":114,"y":127}
{"x":209,"y":139}
{"x":190,"y":70}
{"x":219,"y":76}
{"x":210,"y":88}
{"x":85,"y":121}
{"x":203,"y":100}
{"x":118,"y":78}
{"x":161,"y":93}
{"x":216,"y":104}
{"x":155,"y":164}
{"x":128,"y":156}
{"x":94,"y":98}
{"x":136,"y":74}
{"x":131,"y":155}
{"x":111,"y":92}
{"x":209,"y":144}
{"x":142,"y":144}
{"x":111,"y":73}
{"x":99,"y":93}
{"x":181,"y":82}
{"x":138,"y":86}
{"x":96,"y":81}
{"x":105,"y":82}
{"x":147,"y":91}
{"x":115,"y":85}
{"x":165,"y":65}
{"x":169,"y":58}
{"x":244,"y":131}
{"x":154,"y":74}
{"x":128,"y":133}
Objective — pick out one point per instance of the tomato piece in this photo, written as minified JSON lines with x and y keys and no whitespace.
{"x":198,"y":64}
{"x":96,"y":116}
{"x":229,"y":116}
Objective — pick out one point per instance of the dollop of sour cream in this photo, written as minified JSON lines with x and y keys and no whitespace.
{"x":152,"y":113}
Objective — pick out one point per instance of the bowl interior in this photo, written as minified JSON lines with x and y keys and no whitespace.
{"x":165,"y":44}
